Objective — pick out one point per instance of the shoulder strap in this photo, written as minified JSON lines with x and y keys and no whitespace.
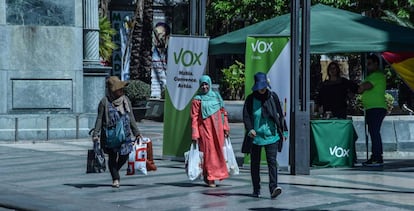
{"x":279,"y":113}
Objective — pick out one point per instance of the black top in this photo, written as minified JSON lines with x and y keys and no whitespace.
{"x":333,"y":96}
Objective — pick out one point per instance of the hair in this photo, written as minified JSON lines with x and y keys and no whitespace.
{"x":373,"y":57}
{"x":338,"y":69}
{"x":166,"y":27}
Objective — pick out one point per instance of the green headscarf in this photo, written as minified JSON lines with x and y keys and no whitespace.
{"x":211,"y":102}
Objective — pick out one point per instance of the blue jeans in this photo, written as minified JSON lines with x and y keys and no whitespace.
{"x":271,"y":152}
{"x":374,"y":118}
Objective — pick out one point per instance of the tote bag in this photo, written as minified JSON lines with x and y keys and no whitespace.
{"x":115,"y":135}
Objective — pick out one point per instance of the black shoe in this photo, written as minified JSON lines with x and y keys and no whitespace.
{"x":256,"y":194}
{"x":276,"y":192}
{"x":373,"y":163}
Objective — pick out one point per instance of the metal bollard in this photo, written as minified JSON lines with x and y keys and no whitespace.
{"x":47,"y":128}
{"x":77,"y":126}
{"x":16,"y":129}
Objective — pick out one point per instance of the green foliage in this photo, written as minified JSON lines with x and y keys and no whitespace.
{"x":402,"y":18}
{"x":224,"y":16}
{"x":106,"y":32}
{"x":233,"y":81}
{"x":389,"y":99}
{"x":342,"y":4}
{"x":138,"y":92}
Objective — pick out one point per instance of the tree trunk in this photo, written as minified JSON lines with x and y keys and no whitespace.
{"x":141,"y":57}
{"x":103,"y":8}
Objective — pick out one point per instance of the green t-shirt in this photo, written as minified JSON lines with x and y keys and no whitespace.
{"x":265,"y":127}
{"x":375,"y":97}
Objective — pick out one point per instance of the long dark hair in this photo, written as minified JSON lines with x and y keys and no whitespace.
{"x":338,"y":69}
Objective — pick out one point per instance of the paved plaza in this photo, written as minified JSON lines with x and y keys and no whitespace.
{"x":40,"y":175}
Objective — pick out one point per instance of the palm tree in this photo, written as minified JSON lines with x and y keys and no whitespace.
{"x":106,"y":45}
{"x":141,"y":56}
{"x":394,"y":18}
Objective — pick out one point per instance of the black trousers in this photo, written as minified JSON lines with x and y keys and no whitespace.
{"x":115,"y":163}
{"x":374,"y":118}
{"x":271,"y":152}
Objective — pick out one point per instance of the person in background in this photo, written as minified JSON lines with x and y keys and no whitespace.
{"x":264,"y":120}
{"x":114,"y":106}
{"x":334,"y":92}
{"x":372,"y":90}
{"x":210,"y":126}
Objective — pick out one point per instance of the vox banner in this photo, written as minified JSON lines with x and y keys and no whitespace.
{"x":271,"y":55}
{"x":187,"y":59}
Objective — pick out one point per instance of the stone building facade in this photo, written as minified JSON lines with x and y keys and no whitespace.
{"x":50,"y":76}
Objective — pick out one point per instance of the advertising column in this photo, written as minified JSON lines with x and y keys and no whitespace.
{"x":271,"y":55}
{"x":187,"y":59}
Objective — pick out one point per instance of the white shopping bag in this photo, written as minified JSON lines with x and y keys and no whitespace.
{"x":137,"y":161}
{"x":141,"y":157}
{"x":231,"y":161}
{"x":131,"y":163}
{"x":194,"y":162}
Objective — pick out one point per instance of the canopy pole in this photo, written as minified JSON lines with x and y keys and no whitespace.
{"x":300,"y":114}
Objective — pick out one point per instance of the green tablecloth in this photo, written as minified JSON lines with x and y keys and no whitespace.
{"x":332,"y":143}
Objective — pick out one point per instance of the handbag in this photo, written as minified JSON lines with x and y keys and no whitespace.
{"x":96,"y":159}
{"x":230,"y":158}
{"x":247,"y":144}
{"x":115,"y":135}
{"x":194,"y":162}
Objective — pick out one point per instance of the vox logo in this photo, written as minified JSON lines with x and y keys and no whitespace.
{"x":339,"y":152}
{"x":187,"y":57}
{"x":262,"y":46}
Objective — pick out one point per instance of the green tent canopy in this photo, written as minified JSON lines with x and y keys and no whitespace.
{"x":332,"y":31}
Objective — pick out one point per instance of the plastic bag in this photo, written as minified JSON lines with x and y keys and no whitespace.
{"x":96,"y":159}
{"x":194,"y":162}
{"x":150,"y":156}
{"x":230,"y":158}
{"x":131,"y":163}
{"x":137,"y":161}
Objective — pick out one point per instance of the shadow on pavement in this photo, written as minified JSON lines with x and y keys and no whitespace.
{"x":269,"y":209}
{"x":182,"y":184}
{"x":80,"y":186}
{"x":389,"y":166}
{"x":351,"y":188}
{"x":224,"y":194}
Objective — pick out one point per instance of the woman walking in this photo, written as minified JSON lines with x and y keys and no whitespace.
{"x":265,"y":125}
{"x":209,"y":129}
{"x":112,"y":108}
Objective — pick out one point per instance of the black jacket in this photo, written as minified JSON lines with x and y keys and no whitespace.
{"x":272,"y":109}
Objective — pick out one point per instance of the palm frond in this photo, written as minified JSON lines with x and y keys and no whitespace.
{"x":392,"y":17}
{"x":106,"y":33}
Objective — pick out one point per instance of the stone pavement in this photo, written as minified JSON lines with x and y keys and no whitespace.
{"x":51,"y":176}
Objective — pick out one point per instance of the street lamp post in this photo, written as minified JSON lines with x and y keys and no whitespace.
{"x":197,"y":17}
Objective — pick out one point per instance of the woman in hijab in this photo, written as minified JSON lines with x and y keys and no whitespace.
{"x":112,"y":108}
{"x":209,"y":128}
